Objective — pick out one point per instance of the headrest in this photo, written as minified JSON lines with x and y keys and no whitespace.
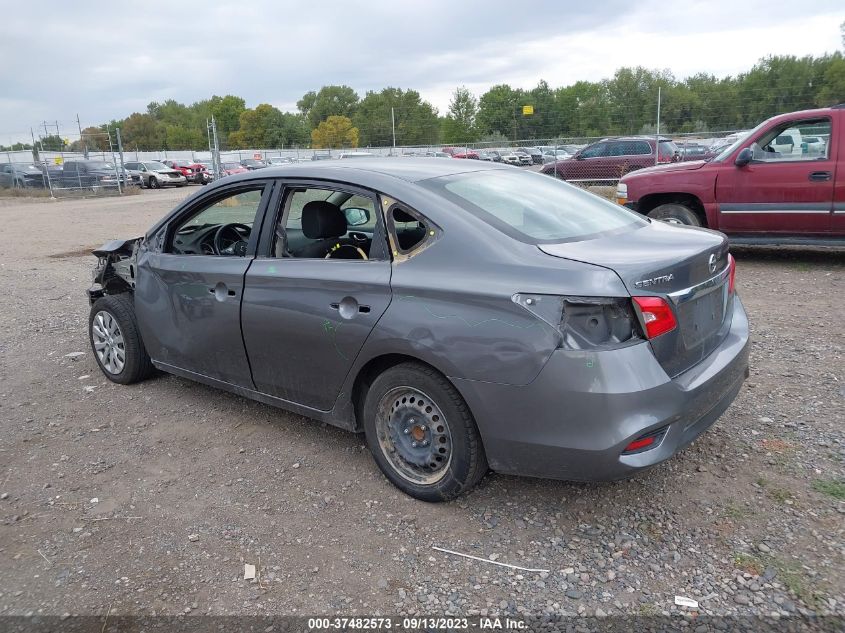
{"x":321,"y":219}
{"x":402,"y":216}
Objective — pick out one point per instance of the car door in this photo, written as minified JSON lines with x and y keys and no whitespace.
{"x":305,"y":315}
{"x":780,"y":192}
{"x":188,"y":292}
{"x":591,"y":163}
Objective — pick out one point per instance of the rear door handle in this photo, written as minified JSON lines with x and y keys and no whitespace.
{"x":819,"y":176}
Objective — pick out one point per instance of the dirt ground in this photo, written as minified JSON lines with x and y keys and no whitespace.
{"x":150,"y":498}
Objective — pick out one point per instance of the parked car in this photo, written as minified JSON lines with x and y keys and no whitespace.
{"x":134,"y":177}
{"x":624,"y":338}
{"x":693,"y":151}
{"x":21,"y":176}
{"x":610,"y":159}
{"x":209,"y":171}
{"x":483,"y":155}
{"x":279,"y":160}
{"x":438,"y":155}
{"x":155,"y":174}
{"x":535,"y":154}
{"x":253,"y":163}
{"x":461,"y":152}
{"x":344,"y":155}
{"x":495,"y":155}
{"x":88,"y":174}
{"x":752,"y":191}
{"x":510,"y":157}
{"x":321,"y":156}
{"x":192,"y":171}
{"x":232,"y":168}
{"x":524,"y":157}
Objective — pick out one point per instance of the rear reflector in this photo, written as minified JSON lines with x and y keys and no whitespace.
{"x":646,"y":441}
{"x":657,"y":316}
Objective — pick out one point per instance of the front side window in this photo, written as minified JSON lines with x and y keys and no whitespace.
{"x":793,"y":141}
{"x":599,"y":149}
{"x":534,"y":208}
{"x":329,"y":223}
{"x":221,"y":227}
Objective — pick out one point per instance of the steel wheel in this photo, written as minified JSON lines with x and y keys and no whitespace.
{"x":108,"y":342}
{"x":414,"y":435}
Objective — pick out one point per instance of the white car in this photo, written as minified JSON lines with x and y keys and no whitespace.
{"x":355,"y":155}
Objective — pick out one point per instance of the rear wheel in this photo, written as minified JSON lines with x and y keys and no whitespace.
{"x":116,"y":341}
{"x":675,"y":213}
{"x":422,"y":434}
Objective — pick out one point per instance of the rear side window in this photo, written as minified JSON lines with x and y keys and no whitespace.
{"x":534,"y":208}
{"x":667,"y":148}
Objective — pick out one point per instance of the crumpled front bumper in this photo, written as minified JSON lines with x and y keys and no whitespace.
{"x":577,"y":417}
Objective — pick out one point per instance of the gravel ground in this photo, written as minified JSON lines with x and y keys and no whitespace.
{"x":150,"y":499}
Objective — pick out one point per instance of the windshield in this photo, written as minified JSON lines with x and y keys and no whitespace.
{"x":26,"y":167}
{"x":95,"y":164}
{"x":742,"y":138}
{"x":533,"y":208}
{"x":230,"y":166}
{"x":155,"y":166}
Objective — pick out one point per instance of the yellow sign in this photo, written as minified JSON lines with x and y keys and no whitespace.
{"x":58,"y":160}
{"x":527,"y":110}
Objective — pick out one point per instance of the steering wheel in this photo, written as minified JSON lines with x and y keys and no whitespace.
{"x":225,"y":245}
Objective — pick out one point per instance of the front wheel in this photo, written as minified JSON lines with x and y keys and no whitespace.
{"x":675,"y":213}
{"x":154,"y":184}
{"x":116,"y":341}
{"x":422,"y":434}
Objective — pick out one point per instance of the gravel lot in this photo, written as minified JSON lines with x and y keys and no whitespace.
{"x":150,"y":499}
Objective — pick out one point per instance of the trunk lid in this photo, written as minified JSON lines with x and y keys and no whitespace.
{"x":681,"y":264}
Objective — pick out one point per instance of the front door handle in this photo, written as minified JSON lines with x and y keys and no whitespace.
{"x":220,"y":291}
{"x":349,"y":307}
{"x":819,"y":176}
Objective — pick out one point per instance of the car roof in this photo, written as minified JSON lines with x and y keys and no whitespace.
{"x":407,"y":169}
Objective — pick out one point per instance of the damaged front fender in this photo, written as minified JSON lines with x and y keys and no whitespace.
{"x":116,"y":268}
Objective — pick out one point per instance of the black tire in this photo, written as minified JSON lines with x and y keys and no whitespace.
{"x":137,"y":364}
{"x":154,"y":183}
{"x":675,"y":213}
{"x":466,"y":463}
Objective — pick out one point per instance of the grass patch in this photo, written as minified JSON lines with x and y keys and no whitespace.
{"x":749,"y":563}
{"x":831,"y":488}
{"x":26,"y":192}
{"x":735,"y":511}
{"x":781,"y":495}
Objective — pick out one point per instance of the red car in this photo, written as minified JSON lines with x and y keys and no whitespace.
{"x":232,"y":168}
{"x":783,"y":182}
{"x":461,"y":152}
{"x":610,"y":159}
{"x":193,"y":172}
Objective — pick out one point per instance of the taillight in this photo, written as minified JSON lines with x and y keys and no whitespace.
{"x":732,"y":273}
{"x":657,"y":316}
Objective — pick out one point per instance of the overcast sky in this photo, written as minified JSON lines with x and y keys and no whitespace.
{"x":106,"y":60}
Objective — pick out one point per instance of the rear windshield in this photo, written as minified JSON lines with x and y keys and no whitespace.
{"x":532,"y":207}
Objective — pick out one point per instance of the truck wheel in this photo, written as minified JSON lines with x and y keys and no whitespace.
{"x":675,"y":213}
{"x":154,"y":184}
{"x":115,"y":340}
{"x":421,"y":433}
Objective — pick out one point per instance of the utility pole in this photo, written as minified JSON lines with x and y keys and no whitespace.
{"x":657,"y":130}
{"x":82,"y":138}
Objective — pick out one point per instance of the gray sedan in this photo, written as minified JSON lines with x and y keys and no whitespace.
{"x":156,"y":175}
{"x":463,"y":317}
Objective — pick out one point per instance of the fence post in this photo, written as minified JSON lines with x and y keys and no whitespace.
{"x":657,"y":130}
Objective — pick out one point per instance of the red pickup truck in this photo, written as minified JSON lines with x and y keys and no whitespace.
{"x":783,"y":182}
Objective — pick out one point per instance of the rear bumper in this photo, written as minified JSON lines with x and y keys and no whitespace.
{"x":576,"y":418}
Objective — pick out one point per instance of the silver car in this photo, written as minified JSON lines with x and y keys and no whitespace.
{"x":155,"y":175}
{"x":461,"y":314}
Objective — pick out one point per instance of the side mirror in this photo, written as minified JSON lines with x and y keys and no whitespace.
{"x":744,"y":157}
{"x":355,"y":216}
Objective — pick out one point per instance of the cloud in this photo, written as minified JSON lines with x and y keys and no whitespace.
{"x":105,"y":60}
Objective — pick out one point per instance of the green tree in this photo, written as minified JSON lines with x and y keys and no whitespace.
{"x":140,"y":131}
{"x":328,"y":101}
{"x":459,"y":124}
{"x":416,"y":120}
{"x":500,"y":110}
{"x":832,"y":91}
{"x":335,"y":132}
{"x":268,"y":127}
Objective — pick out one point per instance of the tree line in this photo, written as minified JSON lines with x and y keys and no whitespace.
{"x":626,"y":103}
